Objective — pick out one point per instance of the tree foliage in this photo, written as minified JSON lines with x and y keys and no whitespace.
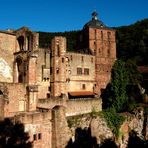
{"x":123,"y":88}
{"x":46,"y":37}
{"x":132,"y":42}
{"x":119,"y":81}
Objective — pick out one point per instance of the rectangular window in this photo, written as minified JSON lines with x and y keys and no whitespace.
{"x":109,"y":35}
{"x":58,"y":50}
{"x":48,"y":95}
{"x":57,"y":70}
{"x":39,"y":136}
{"x":86,"y":71}
{"x":62,"y":60}
{"x":101,"y":35}
{"x":79,"y":71}
{"x":83,"y":86}
{"x":71,"y":57}
{"x":82,"y":59}
{"x":34,"y":137}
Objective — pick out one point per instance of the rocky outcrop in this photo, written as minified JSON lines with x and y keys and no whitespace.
{"x":100,"y":130}
{"x":134,"y":122}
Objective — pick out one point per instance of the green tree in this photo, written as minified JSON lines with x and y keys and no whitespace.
{"x":119,"y":82}
{"x":115,"y":96}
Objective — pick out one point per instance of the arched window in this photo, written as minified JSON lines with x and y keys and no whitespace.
{"x":20,"y":79}
{"x":101,"y":35}
{"x":21,"y":42}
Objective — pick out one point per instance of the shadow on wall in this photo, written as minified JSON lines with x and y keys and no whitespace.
{"x":13,"y":135}
{"x":83,"y":139}
{"x":136,"y":142}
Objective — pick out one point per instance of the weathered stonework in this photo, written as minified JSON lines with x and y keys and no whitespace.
{"x":42,"y":87}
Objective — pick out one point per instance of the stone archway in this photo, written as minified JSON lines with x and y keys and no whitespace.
{"x":19,"y":70}
{"x":21,"y":42}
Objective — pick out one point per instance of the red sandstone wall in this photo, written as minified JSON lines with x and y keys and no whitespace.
{"x":38,"y":124}
{"x":17,"y":99}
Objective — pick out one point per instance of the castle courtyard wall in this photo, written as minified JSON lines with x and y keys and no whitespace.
{"x":73,"y":106}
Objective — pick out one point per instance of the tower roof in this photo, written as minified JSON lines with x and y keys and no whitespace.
{"x":95,"y":22}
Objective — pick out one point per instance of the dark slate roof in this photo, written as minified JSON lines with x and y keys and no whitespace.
{"x":95,"y":23}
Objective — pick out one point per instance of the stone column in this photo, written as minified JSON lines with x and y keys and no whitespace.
{"x":60,"y":130}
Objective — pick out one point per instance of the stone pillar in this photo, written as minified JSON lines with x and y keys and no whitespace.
{"x":32,"y":69}
{"x":35,"y":41}
{"x":32,"y":97}
{"x":15,"y":72}
{"x":60,"y":130}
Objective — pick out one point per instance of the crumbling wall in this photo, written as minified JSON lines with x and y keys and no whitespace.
{"x":60,"y":131}
{"x":39,"y":127}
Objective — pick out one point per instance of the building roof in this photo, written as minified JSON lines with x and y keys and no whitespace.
{"x":95,"y":22}
{"x":81,"y":93}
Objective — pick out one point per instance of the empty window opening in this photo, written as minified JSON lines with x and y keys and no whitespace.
{"x":48,"y":95}
{"x":20,"y":79}
{"x":21,"y":42}
{"x":58,"y":50}
{"x":28,"y":43}
{"x":82,"y":59}
{"x":62,"y":60}
{"x":101,"y":35}
{"x":49,"y":88}
{"x":1,"y":93}
{"x":83,"y":86}
{"x":71,"y":57}
{"x":39,"y":136}
{"x":109,"y":36}
{"x":34,"y":137}
{"x":57,"y":71}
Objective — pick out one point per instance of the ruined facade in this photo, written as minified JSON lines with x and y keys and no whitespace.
{"x":33,"y":80}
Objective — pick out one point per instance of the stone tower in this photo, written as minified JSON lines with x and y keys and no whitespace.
{"x":25,"y":61}
{"x":58,"y":66}
{"x":100,"y":40}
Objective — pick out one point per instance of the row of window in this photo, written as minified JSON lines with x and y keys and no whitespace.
{"x":37,"y":137}
{"x":80,"y":71}
{"x":108,"y":35}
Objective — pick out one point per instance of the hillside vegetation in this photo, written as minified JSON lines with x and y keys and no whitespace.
{"x":132,"y":41}
{"x":46,"y":37}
